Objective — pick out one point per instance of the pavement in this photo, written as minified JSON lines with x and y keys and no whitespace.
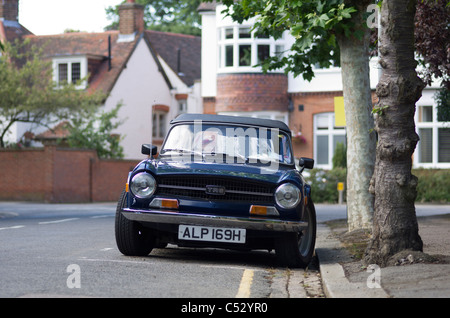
{"x":412,"y":277}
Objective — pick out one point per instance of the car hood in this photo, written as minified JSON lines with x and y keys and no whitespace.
{"x":245,"y":171}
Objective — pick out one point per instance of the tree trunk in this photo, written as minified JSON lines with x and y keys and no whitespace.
{"x":395,"y":224}
{"x":360,"y":135}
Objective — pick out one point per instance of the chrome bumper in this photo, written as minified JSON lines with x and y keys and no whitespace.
{"x":251,"y":223}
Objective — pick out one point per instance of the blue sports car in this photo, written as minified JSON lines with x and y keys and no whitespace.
{"x":220,"y":181}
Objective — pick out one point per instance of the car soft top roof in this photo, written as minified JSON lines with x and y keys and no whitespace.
{"x":236,"y":120}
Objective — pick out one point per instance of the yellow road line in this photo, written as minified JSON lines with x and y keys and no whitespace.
{"x":246,"y":283}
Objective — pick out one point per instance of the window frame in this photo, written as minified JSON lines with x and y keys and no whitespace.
{"x":158,"y":137}
{"x":70,"y":61}
{"x":232,"y":45}
{"x":434,"y":125}
{"x":331,"y":132}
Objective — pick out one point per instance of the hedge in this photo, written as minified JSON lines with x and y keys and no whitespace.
{"x":433,"y":186}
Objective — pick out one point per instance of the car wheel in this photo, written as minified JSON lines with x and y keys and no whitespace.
{"x":297,"y":249}
{"x":132,"y":238}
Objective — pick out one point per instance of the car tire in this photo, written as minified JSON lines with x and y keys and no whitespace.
{"x":297,"y":249}
{"x":132,"y":238}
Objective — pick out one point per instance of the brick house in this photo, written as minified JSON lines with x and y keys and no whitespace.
{"x":155,"y":75}
{"x":231,"y":85}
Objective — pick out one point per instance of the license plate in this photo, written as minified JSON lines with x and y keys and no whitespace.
{"x":211,"y":234}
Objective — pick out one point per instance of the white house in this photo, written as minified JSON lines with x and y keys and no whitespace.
{"x":155,"y":75}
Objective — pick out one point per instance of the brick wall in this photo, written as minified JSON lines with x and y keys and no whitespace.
{"x":131,"y":18}
{"x":9,"y":9}
{"x":26,"y":174}
{"x":60,"y":175}
{"x":251,"y":92}
{"x":108,"y":178}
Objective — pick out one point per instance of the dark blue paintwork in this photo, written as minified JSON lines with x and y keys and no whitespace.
{"x":245,"y":172}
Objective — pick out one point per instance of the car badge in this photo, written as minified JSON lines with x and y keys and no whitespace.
{"x":215,"y":190}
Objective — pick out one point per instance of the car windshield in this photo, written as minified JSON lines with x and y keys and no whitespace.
{"x":231,"y":143}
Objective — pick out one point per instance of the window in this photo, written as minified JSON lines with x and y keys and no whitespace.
{"x":69,"y":73}
{"x":433,"y":148}
{"x":443,"y":144}
{"x":229,"y":55}
{"x":426,"y":145}
{"x":62,"y":73}
{"x":240,"y":49}
{"x":326,"y":138}
{"x":245,"y":55}
{"x":76,"y":72}
{"x":263,"y":52}
{"x":70,"y":70}
{"x":182,"y":106}
{"x":159,"y":125}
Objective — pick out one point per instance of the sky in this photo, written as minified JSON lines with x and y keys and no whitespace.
{"x":43,"y":17}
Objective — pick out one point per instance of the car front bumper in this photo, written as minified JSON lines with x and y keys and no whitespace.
{"x":251,"y":223}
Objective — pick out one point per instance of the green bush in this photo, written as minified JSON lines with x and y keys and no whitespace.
{"x":324,"y":184}
{"x":433,"y":186}
{"x":340,"y":156}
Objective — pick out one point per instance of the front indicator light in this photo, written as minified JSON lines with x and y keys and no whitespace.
{"x":164,"y":203}
{"x":263,"y":210}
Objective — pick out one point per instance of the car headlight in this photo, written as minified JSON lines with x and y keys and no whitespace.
{"x":143,"y":185}
{"x":287,"y":196}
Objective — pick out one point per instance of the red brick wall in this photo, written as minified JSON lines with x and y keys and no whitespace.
{"x":9,"y":9}
{"x":251,"y":92}
{"x":109,"y":178}
{"x":60,"y":175}
{"x":209,"y":105}
{"x":26,"y":174}
{"x":71,"y":175}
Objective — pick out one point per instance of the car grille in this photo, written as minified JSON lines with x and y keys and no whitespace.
{"x":219,"y":189}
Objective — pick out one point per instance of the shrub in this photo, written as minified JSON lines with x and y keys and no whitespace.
{"x":433,"y":186}
{"x":324,"y":184}
{"x":340,"y":156}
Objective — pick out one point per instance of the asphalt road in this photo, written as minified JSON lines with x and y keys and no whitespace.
{"x":69,"y":250}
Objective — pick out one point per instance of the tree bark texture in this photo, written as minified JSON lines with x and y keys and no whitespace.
{"x":361,"y":141}
{"x":395,"y":225}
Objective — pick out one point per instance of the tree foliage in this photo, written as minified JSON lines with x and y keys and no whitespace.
{"x":177,"y":16}
{"x":94,"y":131}
{"x":28,"y":93}
{"x":314,"y":24}
{"x":432,"y":39}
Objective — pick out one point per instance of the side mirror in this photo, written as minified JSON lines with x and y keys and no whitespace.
{"x":149,"y":149}
{"x":307,"y":163}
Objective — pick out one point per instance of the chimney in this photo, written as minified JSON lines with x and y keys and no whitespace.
{"x":9,"y":10}
{"x":131,"y":18}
